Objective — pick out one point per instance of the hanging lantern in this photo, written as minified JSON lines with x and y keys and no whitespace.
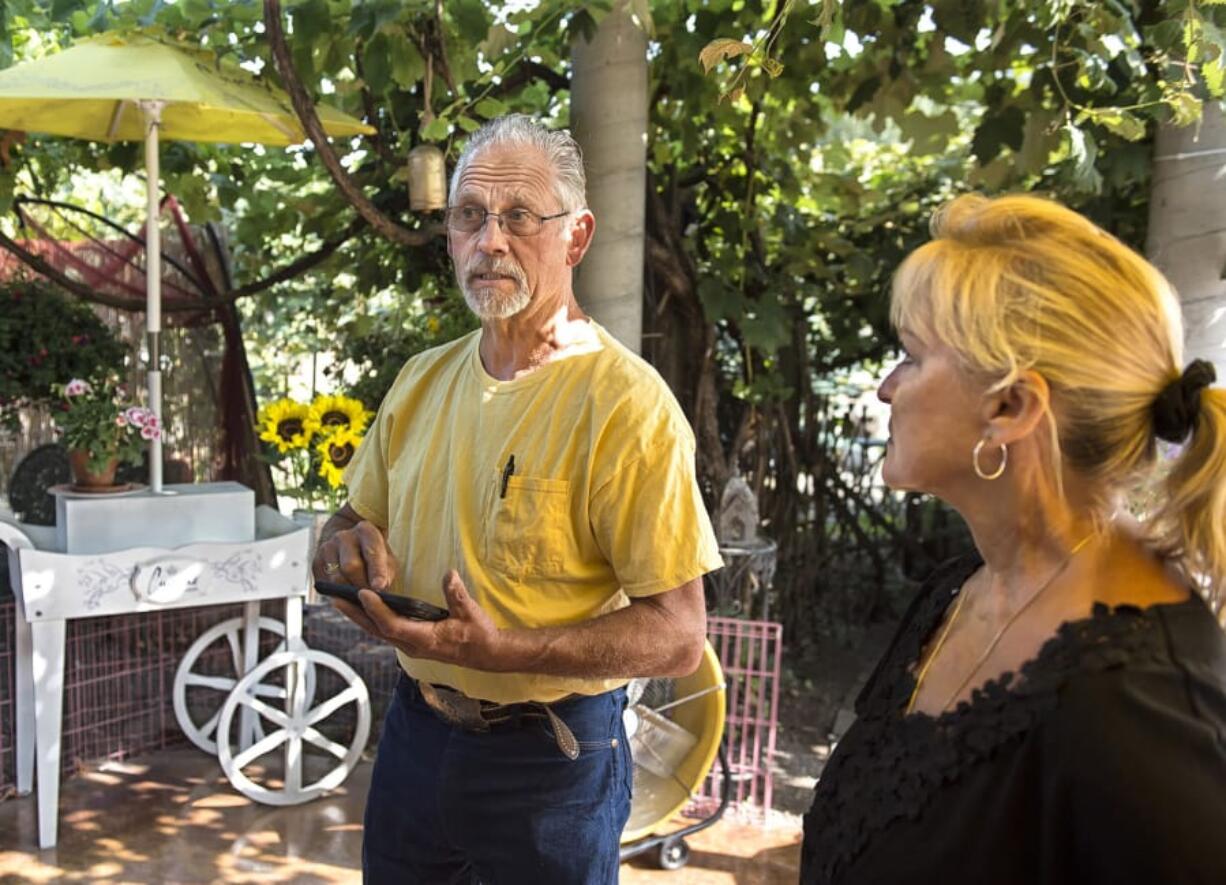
{"x":427,"y":179}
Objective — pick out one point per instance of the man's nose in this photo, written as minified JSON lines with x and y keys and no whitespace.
{"x":491,"y":239}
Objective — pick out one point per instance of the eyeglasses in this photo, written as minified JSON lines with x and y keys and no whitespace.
{"x":517,"y":222}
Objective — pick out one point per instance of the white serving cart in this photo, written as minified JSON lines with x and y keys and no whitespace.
{"x":191,"y":545}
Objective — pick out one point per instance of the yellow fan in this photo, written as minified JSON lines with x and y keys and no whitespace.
{"x":675,"y":727}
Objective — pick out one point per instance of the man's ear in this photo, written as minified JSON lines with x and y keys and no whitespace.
{"x":582,"y":229}
{"x":1014,"y":413}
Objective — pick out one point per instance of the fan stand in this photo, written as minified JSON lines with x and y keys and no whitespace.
{"x":673,"y":755}
{"x":672,"y":851}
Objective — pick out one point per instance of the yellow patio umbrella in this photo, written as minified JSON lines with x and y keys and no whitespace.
{"x":137,"y":87}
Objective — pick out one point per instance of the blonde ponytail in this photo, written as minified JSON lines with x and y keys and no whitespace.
{"x":1190,"y":524}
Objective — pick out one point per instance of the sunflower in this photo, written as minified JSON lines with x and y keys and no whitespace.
{"x":336,"y":451}
{"x":284,"y":424}
{"x":331,"y":412}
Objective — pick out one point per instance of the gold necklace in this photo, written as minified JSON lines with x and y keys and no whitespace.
{"x":987,"y":653}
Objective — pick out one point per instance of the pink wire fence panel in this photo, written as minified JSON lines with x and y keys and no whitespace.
{"x":750,"y":653}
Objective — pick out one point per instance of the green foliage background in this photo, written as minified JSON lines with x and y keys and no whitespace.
{"x":35,"y":321}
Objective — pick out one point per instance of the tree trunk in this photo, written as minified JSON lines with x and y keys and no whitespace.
{"x":1187,"y":228}
{"x":609,"y":120}
{"x":681,"y":342}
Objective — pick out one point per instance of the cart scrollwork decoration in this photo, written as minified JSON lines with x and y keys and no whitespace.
{"x":99,"y":578}
{"x":243,"y":569}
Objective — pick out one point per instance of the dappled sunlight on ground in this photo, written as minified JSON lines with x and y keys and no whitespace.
{"x":175,"y":819}
{"x":179,"y":820}
{"x":729,"y":853}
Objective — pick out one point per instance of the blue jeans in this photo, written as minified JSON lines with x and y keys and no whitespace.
{"x":505,"y":806}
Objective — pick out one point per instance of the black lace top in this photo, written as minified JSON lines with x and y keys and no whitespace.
{"x":1103,"y":761}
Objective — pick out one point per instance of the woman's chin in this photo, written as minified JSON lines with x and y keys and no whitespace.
{"x":889,"y":473}
{"x":894,"y":479}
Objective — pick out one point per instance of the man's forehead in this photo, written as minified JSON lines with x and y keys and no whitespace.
{"x":520,"y":172}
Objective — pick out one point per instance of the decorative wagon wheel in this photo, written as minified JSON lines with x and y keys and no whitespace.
{"x":296,"y":727}
{"x":229,"y":633}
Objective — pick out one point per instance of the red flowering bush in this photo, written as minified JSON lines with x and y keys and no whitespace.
{"x":45,"y":337}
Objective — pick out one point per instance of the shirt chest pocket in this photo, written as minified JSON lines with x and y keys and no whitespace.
{"x":530,"y":534}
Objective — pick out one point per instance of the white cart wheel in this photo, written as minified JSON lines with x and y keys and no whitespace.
{"x":229,"y":632}
{"x":293,"y":726}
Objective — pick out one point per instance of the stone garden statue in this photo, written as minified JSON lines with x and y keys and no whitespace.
{"x":749,"y":558}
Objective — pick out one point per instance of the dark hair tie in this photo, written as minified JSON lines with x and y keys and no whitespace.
{"x":1178,"y":406}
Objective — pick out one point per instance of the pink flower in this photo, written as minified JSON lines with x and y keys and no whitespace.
{"x":121,"y":421}
{"x":138,"y":416}
{"x":151,"y":431}
{"x":77,"y":387}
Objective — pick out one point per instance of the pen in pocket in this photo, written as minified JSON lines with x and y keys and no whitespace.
{"x":507,"y":473}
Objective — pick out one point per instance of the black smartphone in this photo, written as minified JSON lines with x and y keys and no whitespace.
{"x":401,"y":605}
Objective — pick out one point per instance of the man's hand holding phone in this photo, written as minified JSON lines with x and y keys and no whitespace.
{"x":401,"y":605}
{"x":360,"y":559}
{"x":356,"y":557}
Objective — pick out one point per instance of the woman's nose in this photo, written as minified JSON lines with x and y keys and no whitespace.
{"x":885,"y":392}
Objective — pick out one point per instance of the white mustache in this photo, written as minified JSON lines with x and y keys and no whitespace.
{"x":503,"y":266}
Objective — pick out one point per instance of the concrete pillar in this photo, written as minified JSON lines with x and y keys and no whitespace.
{"x":608,"y":116}
{"x":1187,"y":228}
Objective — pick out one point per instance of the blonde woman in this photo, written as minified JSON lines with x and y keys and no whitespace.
{"x":1053,"y":708}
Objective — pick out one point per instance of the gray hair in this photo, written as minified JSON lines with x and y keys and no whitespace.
{"x":559,"y":147}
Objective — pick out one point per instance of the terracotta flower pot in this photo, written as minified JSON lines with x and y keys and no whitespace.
{"x":78,"y":461}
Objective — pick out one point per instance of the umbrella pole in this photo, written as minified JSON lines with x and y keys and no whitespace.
{"x":152,"y":111}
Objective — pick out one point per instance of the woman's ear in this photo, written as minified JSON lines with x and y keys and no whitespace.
{"x":1015,"y":412}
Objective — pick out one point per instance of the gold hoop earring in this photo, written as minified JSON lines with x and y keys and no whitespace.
{"x":1004,"y":460}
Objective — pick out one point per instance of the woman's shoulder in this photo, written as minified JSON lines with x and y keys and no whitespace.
{"x":1195,"y":634}
{"x":1162,"y":664}
{"x":1136,"y":746}
{"x":1173,"y":636}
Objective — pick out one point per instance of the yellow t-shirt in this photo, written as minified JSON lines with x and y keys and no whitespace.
{"x":601,"y":504}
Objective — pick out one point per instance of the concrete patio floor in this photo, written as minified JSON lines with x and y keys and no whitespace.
{"x":171,"y":817}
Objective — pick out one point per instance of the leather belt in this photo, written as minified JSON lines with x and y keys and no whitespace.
{"x":471,"y":714}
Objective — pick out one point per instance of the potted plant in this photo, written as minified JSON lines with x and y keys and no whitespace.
{"x":100,"y":430}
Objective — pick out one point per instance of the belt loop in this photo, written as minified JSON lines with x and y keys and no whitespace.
{"x":408,"y":685}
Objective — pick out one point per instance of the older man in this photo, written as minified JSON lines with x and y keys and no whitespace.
{"x":536,"y":478}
